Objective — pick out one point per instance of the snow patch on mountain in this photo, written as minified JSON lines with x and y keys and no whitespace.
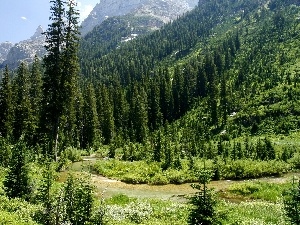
{"x":164,"y":10}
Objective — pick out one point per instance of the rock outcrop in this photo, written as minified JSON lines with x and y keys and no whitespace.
{"x":164,"y":10}
{"x":26,"y":50}
{"x":4,"y":49}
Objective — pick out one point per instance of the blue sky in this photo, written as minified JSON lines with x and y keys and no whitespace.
{"x":20,"y":18}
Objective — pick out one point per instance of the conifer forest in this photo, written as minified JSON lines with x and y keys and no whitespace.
{"x":197,"y":122}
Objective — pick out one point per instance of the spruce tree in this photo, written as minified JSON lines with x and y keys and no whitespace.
{"x":107,"y":116}
{"x":23,"y":125}
{"x":6,"y":106}
{"x":52,"y":102}
{"x":70,"y":74}
{"x":90,"y":129}
{"x":138,"y":114}
{"x":177,"y":88}
{"x":155,"y":115}
{"x":120,"y":108}
{"x":223,"y":100}
{"x":204,"y":202}
{"x":16,"y":183}
{"x":35,"y":93}
{"x":45,"y":194}
{"x":211,"y":73}
{"x":166,"y":97}
{"x":60,"y":79}
{"x":292,"y":203}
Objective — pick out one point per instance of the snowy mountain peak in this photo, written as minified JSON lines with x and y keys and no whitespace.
{"x":163,"y":10}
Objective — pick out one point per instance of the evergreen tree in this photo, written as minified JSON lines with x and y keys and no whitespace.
{"x":211,"y":73}
{"x":270,"y":150}
{"x":6,"y":106}
{"x":52,"y":102}
{"x":201,"y":82}
{"x":23,"y":125}
{"x":177,"y":87}
{"x":203,"y":202}
{"x":35,"y":93}
{"x":70,"y":74}
{"x":5,"y":152}
{"x":138,"y":114}
{"x":223,"y":100}
{"x":79,"y":106}
{"x":158,"y":147}
{"x":90,"y":131}
{"x":45,"y":194}
{"x":120,"y":108}
{"x":16,"y":183}
{"x":60,"y":79}
{"x":166,"y":97}
{"x":155,"y":115}
{"x":292,"y":204}
{"x":107,"y":117}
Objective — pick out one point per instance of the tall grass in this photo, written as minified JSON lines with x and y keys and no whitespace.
{"x":271,"y":192}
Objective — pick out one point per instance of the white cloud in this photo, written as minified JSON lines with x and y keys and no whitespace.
{"x":23,"y":18}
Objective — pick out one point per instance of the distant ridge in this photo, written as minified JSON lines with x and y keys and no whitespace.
{"x":163,"y":10}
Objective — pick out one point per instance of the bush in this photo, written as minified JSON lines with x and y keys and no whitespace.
{"x":292,"y":204}
{"x":159,"y":179}
{"x":134,"y":179}
{"x":176,"y":176}
{"x":18,"y":211}
{"x":259,"y":190}
{"x":140,"y":172}
{"x":14,"y":219}
{"x":72,"y":154}
{"x":244,"y":169}
{"x":295,"y":161}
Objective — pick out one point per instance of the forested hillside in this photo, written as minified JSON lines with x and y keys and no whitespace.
{"x":217,"y":88}
{"x":234,"y":59}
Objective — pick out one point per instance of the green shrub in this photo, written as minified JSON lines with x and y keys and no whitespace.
{"x":259,"y":190}
{"x":138,"y":172}
{"x":159,"y":179}
{"x":241,"y":169}
{"x":72,"y":154}
{"x":119,"y":199}
{"x":295,"y":161}
{"x":18,"y":211}
{"x":176,"y":176}
{"x":134,"y":179}
{"x":14,"y":219}
{"x":292,"y":203}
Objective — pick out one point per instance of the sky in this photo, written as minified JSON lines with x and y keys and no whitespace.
{"x":20,"y":18}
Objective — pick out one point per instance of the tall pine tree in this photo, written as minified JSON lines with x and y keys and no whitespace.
{"x":16,"y":183}
{"x":23,"y":111}
{"x":6,"y":106}
{"x":35,"y":93}
{"x":60,"y":79}
{"x":70,"y":74}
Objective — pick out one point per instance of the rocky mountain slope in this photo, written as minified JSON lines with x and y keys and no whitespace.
{"x":24,"y":50}
{"x":4,"y":49}
{"x":162,"y":10}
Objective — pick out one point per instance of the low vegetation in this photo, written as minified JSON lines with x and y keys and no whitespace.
{"x":216,"y":90}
